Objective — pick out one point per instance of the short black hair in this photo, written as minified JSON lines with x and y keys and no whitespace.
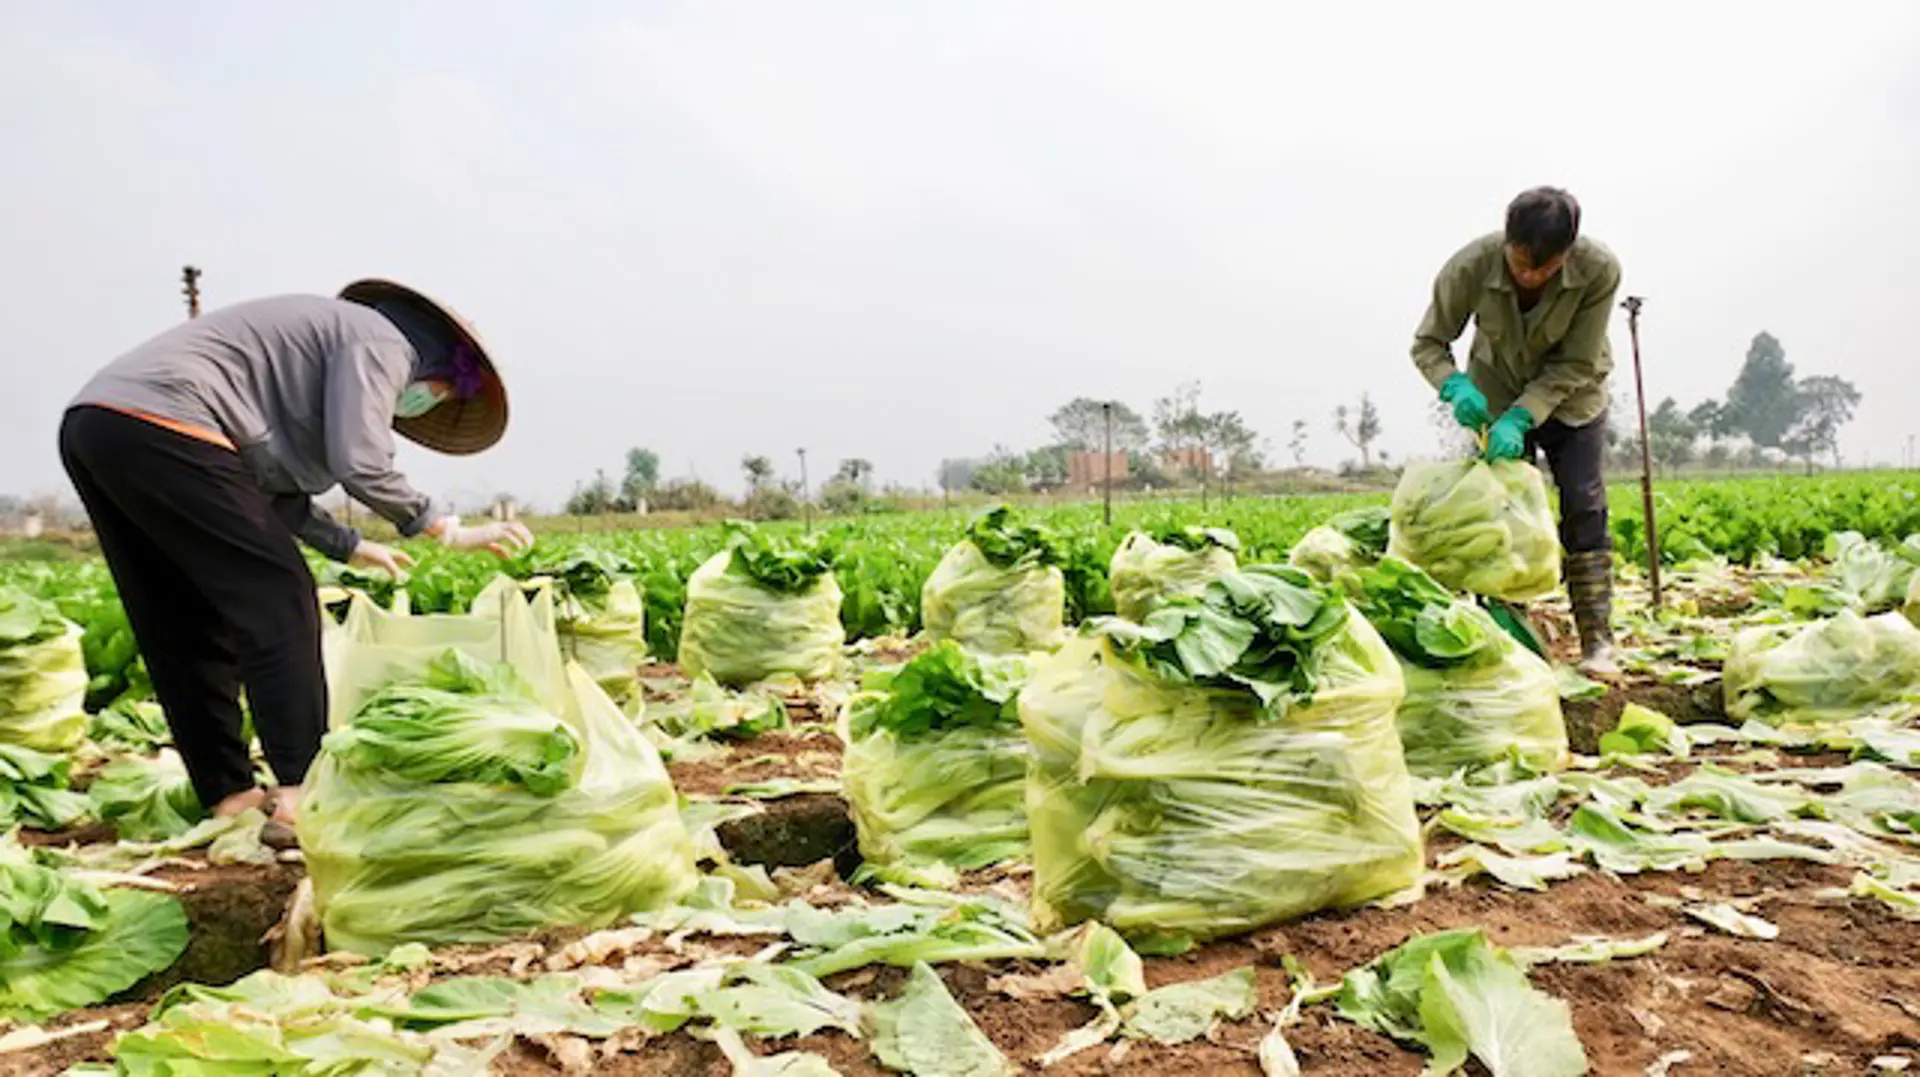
{"x":1544,"y":222}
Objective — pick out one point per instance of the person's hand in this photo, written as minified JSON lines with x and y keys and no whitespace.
{"x":386,"y":558}
{"x":1507,"y":440}
{"x":504,"y":538}
{"x":1469,"y":403}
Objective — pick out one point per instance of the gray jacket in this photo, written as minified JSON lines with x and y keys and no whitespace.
{"x":304,"y":387}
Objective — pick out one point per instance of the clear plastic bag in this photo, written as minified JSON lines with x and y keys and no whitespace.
{"x":1168,"y":810}
{"x":1486,"y":529}
{"x":1482,"y":712}
{"x":405,"y":844}
{"x":994,"y":610}
{"x":43,"y":675}
{"x":1835,"y":670}
{"x":607,"y":635}
{"x":1145,"y":572}
{"x":935,"y":764}
{"x":738,"y":631}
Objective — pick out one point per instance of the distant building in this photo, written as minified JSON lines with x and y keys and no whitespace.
{"x":1193,"y":460}
{"x":1086,"y":469}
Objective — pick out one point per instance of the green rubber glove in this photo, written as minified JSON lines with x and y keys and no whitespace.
{"x":1508,"y":438}
{"x":1469,"y":403}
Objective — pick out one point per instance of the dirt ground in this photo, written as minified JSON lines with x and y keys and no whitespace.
{"x":1837,"y":989}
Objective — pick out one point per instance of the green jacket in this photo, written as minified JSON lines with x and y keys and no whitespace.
{"x":1552,"y":360}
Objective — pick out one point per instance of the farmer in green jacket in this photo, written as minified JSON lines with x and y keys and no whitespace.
{"x":1539,"y":295}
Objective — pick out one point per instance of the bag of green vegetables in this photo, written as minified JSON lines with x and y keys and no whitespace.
{"x":1153,"y":565}
{"x":1229,"y":762}
{"x":1350,"y":540}
{"x":763,"y":608}
{"x":999,"y":590}
{"x":43,"y":675}
{"x":1474,"y":695}
{"x":935,"y":765}
{"x":1477,"y":527}
{"x":475,"y":787}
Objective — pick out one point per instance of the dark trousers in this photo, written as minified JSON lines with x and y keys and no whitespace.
{"x":1574,"y":456}
{"x":216,"y":591}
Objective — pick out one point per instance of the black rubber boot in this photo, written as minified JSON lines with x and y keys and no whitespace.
{"x":1590,"y":586}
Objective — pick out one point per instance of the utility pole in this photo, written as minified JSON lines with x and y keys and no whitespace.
{"x":190,"y":287}
{"x":1633,"y":304}
{"x":806,"y":505}
{"x":1106,"y":410}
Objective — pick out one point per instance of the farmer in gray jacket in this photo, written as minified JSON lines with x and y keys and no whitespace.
{"x":198,"y":455}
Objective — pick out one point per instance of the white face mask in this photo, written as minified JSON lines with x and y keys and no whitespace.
{"x":418,"y":398}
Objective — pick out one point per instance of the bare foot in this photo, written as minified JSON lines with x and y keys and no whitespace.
{"x":236,"y":803}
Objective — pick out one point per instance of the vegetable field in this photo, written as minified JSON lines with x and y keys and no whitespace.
{"x":1259,"y":789}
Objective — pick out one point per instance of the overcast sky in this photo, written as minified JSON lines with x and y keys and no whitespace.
{"x":907,"y":231}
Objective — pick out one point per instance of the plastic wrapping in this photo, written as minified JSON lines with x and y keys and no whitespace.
{"x":607,"y":635}
{"x":43,"y":675}
{"x":1145,"y":572}
{"x":1486,"y":529}
{"x":935,"y":764}
{"x":1490,"y":709}
{"x":739,"y":631}
{"x":1014,"y":609}
{"x":1875,"y":579}
{"x":1350,"y":540}
{"x":1830,"y":671}
{"x":1176,"y":811}
{"x":1474,"y":695}
{"x":557,"y":812}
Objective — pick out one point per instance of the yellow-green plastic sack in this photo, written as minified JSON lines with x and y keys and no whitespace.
{"x":1503,"y":706}
{"x":607,"y":635}
{"x":1486,"y":529}
{"x":994,"y":610}
{"x":43,"y":675}
{"x":738,"y":631}
{"x":1835,"y":670}
{"x":935,"y":765}
{"x":1175,"y":811}
{"x":1145,"y":572}
{"x":541,"y":807}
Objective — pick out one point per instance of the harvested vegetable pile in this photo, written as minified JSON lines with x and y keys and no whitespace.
{"x":43,"y":675}
{"x":1474,"y":696}
{"x":1152,"y":566}
{"x":763,"y":608}
{"x":1230,"y":762}
{"x":464,"y":802}
{"x":936,"y":765}
{"x":1482,"y":528}
{"x":999,"y":590}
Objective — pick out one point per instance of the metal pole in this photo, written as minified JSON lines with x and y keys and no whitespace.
{"x":806,"y":506}
{"x":190,"y":278}
{"x":1633,"y":303}
{"x":1106,"y":410}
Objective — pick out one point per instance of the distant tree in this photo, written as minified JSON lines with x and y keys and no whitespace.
{"x":684,"y":495}
{"x":1001,"y":472}
{"x":643,"y":474}
{"x":1227,"y":438}
{"x":1045,"y":468}
{"x":843,"y":498}
{"x":1826,"y":404}
{"x":1763,"y":403}
{"x":956,"y":474}
{"x":594,"y":498}
{"x":856,"y":471}
{"x":1080,"y":425}
{"x":1297,"y":444}
{"x":1718,"y":455}
{"x":1144,"y":472}
{"x":1709,"y":419}
{"x":759,"y":472}
{"x":1177,"y":419}
{"x":1670,"y":434}
{"x":1361,"y":426}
